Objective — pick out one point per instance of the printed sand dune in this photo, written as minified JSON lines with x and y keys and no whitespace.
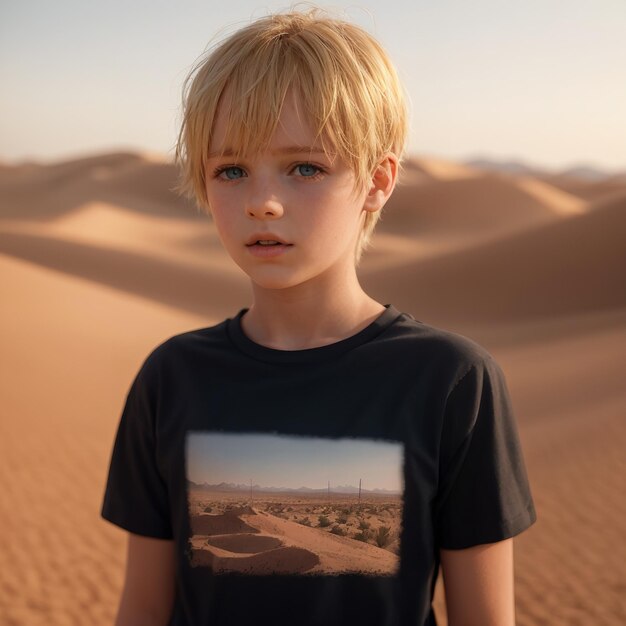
{"x":222,"y":524}
{"x":71,"y":342}
{"x":282,"y":546}
{"x":244,"y":542}
{"x":281,"y":560}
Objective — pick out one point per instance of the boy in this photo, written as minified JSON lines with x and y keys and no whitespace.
{"x":316,"y":457}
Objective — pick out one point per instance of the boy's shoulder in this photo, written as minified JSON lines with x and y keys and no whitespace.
{"x":439,"y":346}
{"x":173,"y":350}
{"x":206,"y":336}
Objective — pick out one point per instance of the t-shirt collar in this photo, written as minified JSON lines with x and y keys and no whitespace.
{"x":308,"y":355}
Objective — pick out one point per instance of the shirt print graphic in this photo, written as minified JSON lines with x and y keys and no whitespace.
{"x":264,"y":504}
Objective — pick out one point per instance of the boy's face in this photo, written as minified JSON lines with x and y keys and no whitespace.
{"x":306,"y":201}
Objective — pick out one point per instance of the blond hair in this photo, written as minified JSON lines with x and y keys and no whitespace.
{"x":345,"y":79}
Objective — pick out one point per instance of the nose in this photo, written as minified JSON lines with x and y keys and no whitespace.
{"x":263,"y":204}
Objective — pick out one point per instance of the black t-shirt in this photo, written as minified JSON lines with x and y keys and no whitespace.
{"x":316,"y":486}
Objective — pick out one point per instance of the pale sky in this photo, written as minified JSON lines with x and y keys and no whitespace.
{"x":540,"y":80}
{"x":291,"y":462}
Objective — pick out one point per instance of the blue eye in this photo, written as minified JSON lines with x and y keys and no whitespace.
{"x":233,"y":169}
{"x":310,"y":166}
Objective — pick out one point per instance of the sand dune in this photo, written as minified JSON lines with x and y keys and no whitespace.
{"x":439,"y":169}
{"x":128,"y":180}
{"x":487,"y":201}
{"x":573,"y":264}
{"x":588,"y":190}
{"x":192,"y":242}
{"x":169,"y":282}
{"x":99,"y":262}
{"x":559,"y":201}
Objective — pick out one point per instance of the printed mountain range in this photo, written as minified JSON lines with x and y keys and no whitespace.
{"x":239,"y":487}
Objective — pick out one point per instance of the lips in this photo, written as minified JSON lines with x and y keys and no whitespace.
{"x":266,"y":237}
{"x":269,"y":252}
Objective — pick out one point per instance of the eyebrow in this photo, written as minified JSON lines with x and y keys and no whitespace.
{"x":285,"y":150}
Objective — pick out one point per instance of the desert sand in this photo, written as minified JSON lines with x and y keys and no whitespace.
{"x":252,"y":541}
{"x":295,"y":534}
{"x":100,"y":262}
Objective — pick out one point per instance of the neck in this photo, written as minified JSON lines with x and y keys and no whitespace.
{"x":306,"y":317}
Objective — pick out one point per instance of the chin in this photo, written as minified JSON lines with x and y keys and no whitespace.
{"x":273,"y":283}
{"x":271,"y":277}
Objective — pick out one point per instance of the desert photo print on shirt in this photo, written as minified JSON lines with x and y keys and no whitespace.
{"x":267,"y":504}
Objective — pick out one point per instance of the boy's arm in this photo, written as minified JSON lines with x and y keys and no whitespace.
{"x":149,"y":588}
{"x":478,"y":583}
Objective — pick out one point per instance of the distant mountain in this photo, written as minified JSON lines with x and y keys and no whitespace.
{"x":353,"y":489}
{"x":587,"y":173}
{"x":246,"y":488}
{"x":507,"y":167}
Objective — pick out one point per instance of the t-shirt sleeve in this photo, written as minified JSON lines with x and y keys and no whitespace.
{"x":483,"y":494}
{"x":136,"y":496}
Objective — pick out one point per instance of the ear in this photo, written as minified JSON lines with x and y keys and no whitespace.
{"x":382,"y":183}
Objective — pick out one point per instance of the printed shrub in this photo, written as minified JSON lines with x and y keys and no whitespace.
{"x":324,"y":521}
{"x":383,"y":536}
{"x":337,"y":530}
